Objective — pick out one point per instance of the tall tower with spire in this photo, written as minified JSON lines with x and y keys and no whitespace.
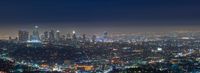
{"x":74,"y":35}
{"x":34,"y":39}
{"x":57,"y":37}
{"x":35,"y":35}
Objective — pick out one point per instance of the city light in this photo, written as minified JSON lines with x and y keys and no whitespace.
{"x":100,"y":36}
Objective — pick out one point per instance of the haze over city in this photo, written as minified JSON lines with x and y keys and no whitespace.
{"x":99,"y":15}
{"x":99,"y":36}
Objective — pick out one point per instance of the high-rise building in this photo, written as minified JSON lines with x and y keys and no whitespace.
{"x":84,"y":38}
{"x":46,"y":35}
{"x":23,"y":36}
{"x":62,"y":38}
{"x":52,"y":36}
{"x":68,"y":36}
{"x":94,"y":38}
{"x":74,"y":35}
{"x":34,"y":39}
{"x":9,"y":38}
{"x":35,"y":35}
{"x":105,"y":37}
{"x":57,"y":37}
{"x":105,"y":34}
{"x":42,"y":37}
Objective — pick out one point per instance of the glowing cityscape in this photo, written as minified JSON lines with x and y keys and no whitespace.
{"x":99,"y":36}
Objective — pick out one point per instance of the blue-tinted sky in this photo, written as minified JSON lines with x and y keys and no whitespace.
{"x":64,"y":11}
{"x":66,"y":14}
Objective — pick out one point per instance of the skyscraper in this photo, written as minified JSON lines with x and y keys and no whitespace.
{"x":105,"y":37}
{"x":23,"y":36}
{"x":46,"y":35}
{"x":94,"y":38}
{"x":34,"y":38}
{"x":52,"y":36}
{"x":62,"y":38}
{"x":35,"y":35}
{"x":68,"y":36}
{"x":84,"y":38}
{"x":105,"y":34}
{"x":57,"y":36}
{"x":74,"y":35}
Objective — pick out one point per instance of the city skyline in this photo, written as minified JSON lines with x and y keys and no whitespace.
{"x":32,"y":12}
{"x":114,"y":16}
{"x":99,"y":36}
{"x":13,"y":32}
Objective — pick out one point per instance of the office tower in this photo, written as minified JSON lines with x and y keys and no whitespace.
{"x":62,"y":38}
{"x":35,"y":35}
{"x":104,"y":37}
{"x":57,"y":37}
{"x":68,"y":36}
{"x":42,"y":37}
{"x":94,"y":38}
{"x":9,"y":38}
{"x":84,"y":38}
{"x":74,"y":35}
{"x":105,"y":34}
{"x":46,"y":35}
{"x":23,"y":36}
{"x":34,"y":39}
{"x":52,"y":36}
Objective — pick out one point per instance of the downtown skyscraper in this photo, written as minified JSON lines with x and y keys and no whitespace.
{"x":23,"y":36}
{"x":35,"y":34}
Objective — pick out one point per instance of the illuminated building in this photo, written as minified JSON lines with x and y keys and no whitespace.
{"x":84,"y":38}
{"x":34,"y":39}
{"x":105,"y":35}
{"x":34,"y":43}
{"x":62,"y":38}
{"x":57,"y":37}
{"x":35,"y":35}
{"x":68,"y":36}
{"x":52,"y":36}
{"x":10,"y":39}
{"x":23,"y":36}
{"x":94,"y":38}
{"x":104,"y":38}
{"x":73,"y":32}
{"x":74,"y":35}
{"x":85,"y":67}
{"x":46,"y":35}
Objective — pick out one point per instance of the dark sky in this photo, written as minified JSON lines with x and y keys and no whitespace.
{"x":83,"y":14}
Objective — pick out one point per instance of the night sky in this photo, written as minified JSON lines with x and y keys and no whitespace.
{"x":94,"y":16}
